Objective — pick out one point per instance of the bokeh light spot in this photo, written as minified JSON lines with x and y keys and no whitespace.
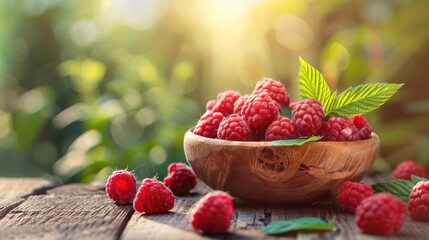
{"x":294,"y":33}
{"x":158,"y":155}
{"x":32,"y":101}
{"x":83,"y":32}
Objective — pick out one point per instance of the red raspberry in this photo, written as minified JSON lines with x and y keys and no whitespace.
{"x":208,"y":124}
{"x":212,"y":213}
{"x":181,"y":179}
{"x":381,"y":214}
{"x":153,"y":197}
{"x":308,"y":115}
{"x":275,"y":89}
{"x":418,"y":203}
{"x":352,"y":193}
{"x":238,"y":105}
{"x":363,"y":127}
{"x":121,"y":186}
{"x":210,"y":104}
{"x":259,"y":110}
{"x":281,"y":128}
{"x":339,"y":129}
{"x":406,"y":169}
{"x":225,"y":102}
{"x":234,"y":128}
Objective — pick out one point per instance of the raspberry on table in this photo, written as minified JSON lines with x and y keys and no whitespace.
{"x":406,"y":169}
{"x":418,"y":202}
{"x":381,"y":214}
{"x":281,"y":128}
{"x":238,"y":105}
{"x":352,"y":193}
{"x":363,"y":127}
{"x":210,"y":104}
{"x":234,"y":128}
{"x":275,"y":89}
{"x":121,"y":186}
{"x":339,"y":129}
{"x":259,"y":110}
{"x":212,"y":213}
{"x":181,"y":179}
{"x":208,"y":124}
{"x":153,"y":197}
{"x":225,"y":102}
{"x":308,"y":116}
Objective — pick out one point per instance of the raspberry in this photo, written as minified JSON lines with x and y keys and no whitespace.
{"x":234,"y":128}
{"x":281,"y":128}
{"x":406,"y":169}
{"x":225,"y":102}
{"x":363,"y":127}
{"x":212,"y":213}
{"x":208,"y":124}
{"x":181,"y":179}
{"x":352,"y":193}
{"x":259,"y":110}
{"x":381,"y":214}
{"x":153,"y":197}
{"x":418,"y":203}
{"x":121,"y":186}
{"x":275,"y":89}
{"x":308,"y":115}
{"x":210,"y":104}
{"x":339,"y":129}
{"x":238,"y":105}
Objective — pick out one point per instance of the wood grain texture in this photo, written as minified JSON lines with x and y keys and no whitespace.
{"x":249,"y":217}
{"x":67,"y":212}
{"x":259,"y":170}
{"x":14,"y":190}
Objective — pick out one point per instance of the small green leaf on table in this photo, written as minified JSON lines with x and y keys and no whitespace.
{"x":399,"y":188}
{"x":296,"y":142}
{"x":416,"y":179}
{"x":304,"y":223}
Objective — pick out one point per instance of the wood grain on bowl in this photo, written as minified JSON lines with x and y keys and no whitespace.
{"x":259,"y":170}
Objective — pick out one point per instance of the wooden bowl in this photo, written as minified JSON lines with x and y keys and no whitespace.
{"x":287,"y":174}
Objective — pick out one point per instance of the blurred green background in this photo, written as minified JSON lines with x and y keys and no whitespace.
{"x":90,"y":86}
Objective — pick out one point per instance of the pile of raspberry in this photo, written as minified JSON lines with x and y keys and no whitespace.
{"x":258,"y":117}
{"x":383,"y":213}
{"x":211,"y":214}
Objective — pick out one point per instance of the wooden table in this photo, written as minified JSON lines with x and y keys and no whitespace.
{"x":32,"y":208}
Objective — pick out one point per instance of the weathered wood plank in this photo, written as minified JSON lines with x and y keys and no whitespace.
{"x":13,"y":191}
{"x":67,"y":212}
{"x":249,"y":218}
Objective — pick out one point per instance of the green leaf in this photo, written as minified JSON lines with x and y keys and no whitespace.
{"x":313,"y":85}
{"x":305,"y":223}
{"x":296,"y":142}
{"x":416,"y":179}
{"x":398,"y":188}
{"x":363,"y":99}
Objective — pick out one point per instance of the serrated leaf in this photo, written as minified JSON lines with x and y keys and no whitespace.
{"x":313,"y":85}
{"x":398,"y":188}
{"x":304,"y":223}
{"x":296,"y":142}
{"x":363,"y":99}
{"x":416,"y":179}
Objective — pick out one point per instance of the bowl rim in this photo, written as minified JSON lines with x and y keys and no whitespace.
{"x":217,"y":141}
